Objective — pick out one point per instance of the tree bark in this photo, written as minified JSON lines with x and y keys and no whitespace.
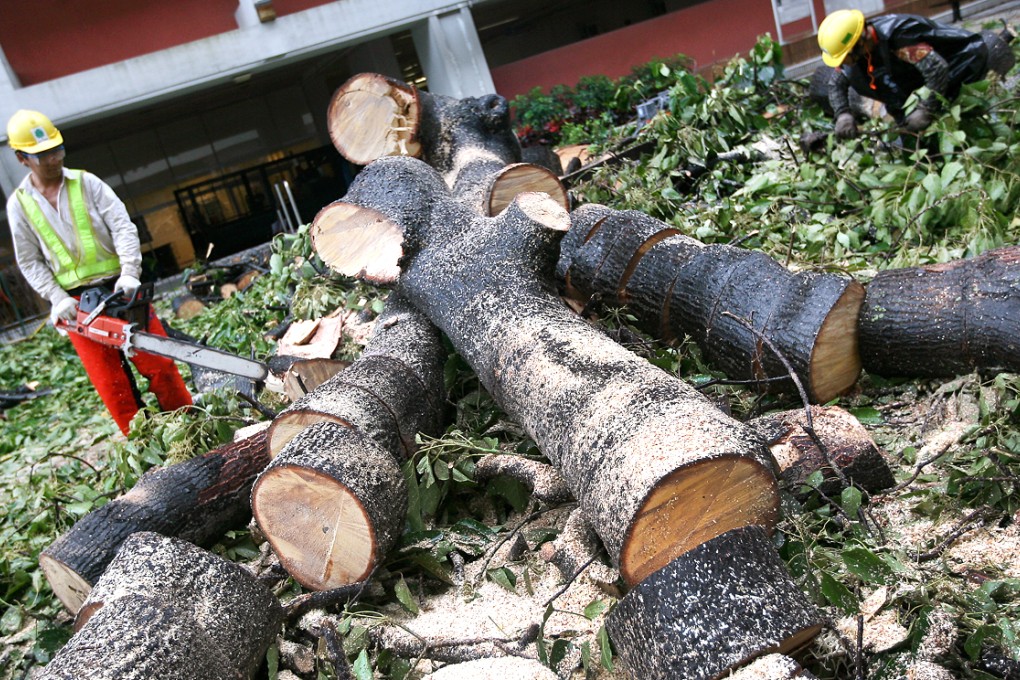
{"x":234,"y":611}
{"x":726,"y":299}
{"x":393,"y":391}
{"x":141,"y":638}
{"x":712,"y":610}
{"x":196,"y":500}
{"x":847,"y":446}
{"x":331,"y":504}
{"x":945,"y":319}
{"x":656,"y":467}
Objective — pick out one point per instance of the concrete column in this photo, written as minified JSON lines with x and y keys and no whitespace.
{"x":451,"y":55}
{"x":11,"y":171}
{"x":375,"y":56}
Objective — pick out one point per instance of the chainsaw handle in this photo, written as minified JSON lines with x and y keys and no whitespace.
{"x":101,"y":306}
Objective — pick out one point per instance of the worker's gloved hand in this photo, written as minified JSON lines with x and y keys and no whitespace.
{"x":127,"y":285}
{"x":66,"y":309}
{"x":918,"y":120}
{"x":846,"y":126}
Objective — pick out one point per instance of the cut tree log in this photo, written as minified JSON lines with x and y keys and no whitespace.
{"x":196,"y":500}
{"x":503,"y":668}
{"x":727,"y":299}
{"x":331,"y":504}
{"x":849,"y":454}
{"x":237,"y":614}
{"x":657,"y":468}
{"x":772,"y":667}
{"x":371,"y":116}
{"x":542,"y":479}
{"x":468,"y":140}
{"x":392,"y":392}
{"x":141,"y":639}
{"x":944,"y":319}
{"x":304,"y":375}
{"x":712,"y":610}
{"x":187,"y":306}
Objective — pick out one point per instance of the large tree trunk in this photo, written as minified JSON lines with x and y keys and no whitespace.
{"x":166,"y":608}
{"x":393,"y":391}
{"x":945,"y":319}
{"x":656,"y":467}
{"x":712,"y":610}
{"x":728,"y":300}
{"x":196,"y":500}
{"x":331,"y":504}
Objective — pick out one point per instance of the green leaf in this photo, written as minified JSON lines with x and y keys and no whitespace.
{"x":605,"y":649}
{"x":362,"y":667}
{"x":866,"y":565}
{"x":867,"y":415}
{"x":594,"y":608}
{"x":850,"y":500}
{"x":838,"y":594}
{"x":405,"y":597}
{"x":504,"y":577}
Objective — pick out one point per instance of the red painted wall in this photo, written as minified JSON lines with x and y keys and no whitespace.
{"x":47,"y":39}
{"x":709,"y":32}
{"x":283,"y":7}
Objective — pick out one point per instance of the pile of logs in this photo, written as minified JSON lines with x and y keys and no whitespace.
{"x":481,"y":249}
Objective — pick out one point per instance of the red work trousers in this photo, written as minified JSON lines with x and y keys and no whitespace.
{"x":111,"y":376}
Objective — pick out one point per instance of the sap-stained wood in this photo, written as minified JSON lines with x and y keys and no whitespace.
{"x":304,"y":375}
{"x":331,"y":504}
{"x":725,"y":298}
{"x":164,"y":605}
{"x":846,"y":445}
{"x":712,"y":610}
{"x":196,"y":500}
{"x":656,"y":467}
{"x":946,"y":319}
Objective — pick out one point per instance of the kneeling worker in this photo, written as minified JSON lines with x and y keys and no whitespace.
{"x":72,"y":232}
{"x":889,"y":57}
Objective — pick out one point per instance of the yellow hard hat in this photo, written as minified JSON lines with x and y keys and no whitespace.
{"x":32,"y":132}
{"x":838,"y":34}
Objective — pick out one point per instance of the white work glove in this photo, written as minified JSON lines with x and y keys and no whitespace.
{"x":66,"y":309}
{"x":127,"y":285}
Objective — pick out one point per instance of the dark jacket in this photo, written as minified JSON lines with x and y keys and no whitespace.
{"x":893,"y":80}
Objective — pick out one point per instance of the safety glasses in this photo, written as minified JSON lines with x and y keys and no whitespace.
{"x":50,"y":155}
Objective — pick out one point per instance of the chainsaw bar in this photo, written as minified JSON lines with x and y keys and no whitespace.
{"x":190,"y":353}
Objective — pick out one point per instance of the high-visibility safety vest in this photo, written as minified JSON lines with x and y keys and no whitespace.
{"x":94,"y":261}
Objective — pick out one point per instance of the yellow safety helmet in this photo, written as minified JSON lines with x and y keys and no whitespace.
{"x":32,"y":132}
{"x":838,"y":34}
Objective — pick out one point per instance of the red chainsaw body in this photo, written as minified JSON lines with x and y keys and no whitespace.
{"x":105,"y":330}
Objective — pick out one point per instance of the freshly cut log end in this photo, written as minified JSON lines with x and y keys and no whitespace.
{"x":358,"y":242}
{"x":520,"y":178}
{"x":847,"y":444}
{"x":836,"y":360}
{"x":713,"y":609}
{"x":290,"y":424}
{"x":331,"y":505}
{"x":371,"y":116}
{"x":67,"y":584}
{"x":694,"y":504}
{"x":305,"y":375}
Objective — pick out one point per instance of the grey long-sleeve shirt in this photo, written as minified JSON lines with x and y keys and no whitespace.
{"x":114,"y":231}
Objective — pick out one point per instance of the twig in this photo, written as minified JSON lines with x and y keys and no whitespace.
{"x":513,"y":532}
{"x":917,"y":471}
{"x":571,"y":580}
{"x":261,"y":408}
{"x":977,"y":517}
{"x":336,"y":652}
{"x":859,"y":655}
{"x":323,"y":599}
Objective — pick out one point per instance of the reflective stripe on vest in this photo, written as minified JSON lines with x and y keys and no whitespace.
{"x":94,"y":261}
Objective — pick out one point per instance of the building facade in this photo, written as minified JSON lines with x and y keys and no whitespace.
{"x":208,"y":116}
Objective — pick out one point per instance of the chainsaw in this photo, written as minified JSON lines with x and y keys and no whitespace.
{"x":114,"y":320}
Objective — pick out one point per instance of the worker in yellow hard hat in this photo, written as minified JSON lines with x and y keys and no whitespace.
{"x":889,"y":57}
{"x":72,"y":232}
